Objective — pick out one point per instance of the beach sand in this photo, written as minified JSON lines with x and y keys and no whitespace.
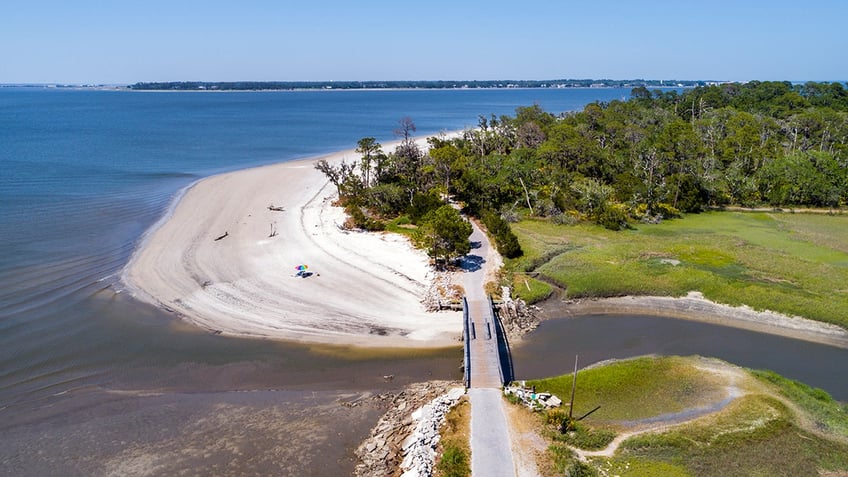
{"x":365,"y":289}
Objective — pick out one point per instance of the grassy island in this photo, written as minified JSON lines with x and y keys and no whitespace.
{"x":678,"y":416}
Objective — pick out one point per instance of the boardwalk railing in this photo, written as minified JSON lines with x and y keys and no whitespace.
{"x":466,"y":335}
{"x":504,"y":353}
{"x":494,"y":331}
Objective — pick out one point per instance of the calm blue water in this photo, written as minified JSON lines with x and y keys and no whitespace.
{"x":84,"y":173}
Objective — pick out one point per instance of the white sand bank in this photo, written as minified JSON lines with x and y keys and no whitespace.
{"x":365,"y":289}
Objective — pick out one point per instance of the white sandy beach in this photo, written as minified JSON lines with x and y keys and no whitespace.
{"x":365,"y":289}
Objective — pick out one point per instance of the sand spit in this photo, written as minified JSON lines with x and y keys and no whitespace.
{"x":225,"y":259}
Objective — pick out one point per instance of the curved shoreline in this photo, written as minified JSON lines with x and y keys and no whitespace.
{"x":365,"y":289}
{"x":695,"y":307}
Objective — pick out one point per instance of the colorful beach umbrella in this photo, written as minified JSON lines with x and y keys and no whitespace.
{"x":301,"y":268}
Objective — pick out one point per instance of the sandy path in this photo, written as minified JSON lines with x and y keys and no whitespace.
{"x":365,"y":290}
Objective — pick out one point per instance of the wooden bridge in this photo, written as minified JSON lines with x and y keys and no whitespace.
{"x":487,"y":360}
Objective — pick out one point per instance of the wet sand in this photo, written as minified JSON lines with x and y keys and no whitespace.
{"x":221,"y":433}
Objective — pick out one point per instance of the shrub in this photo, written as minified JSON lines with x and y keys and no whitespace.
{"x":421,"y":205}
{"x":454,"y":462}
{"x":505,"y":240}
{"x":358,"y":219}
{"x":586,"y":438}
{"x":555,"y":417}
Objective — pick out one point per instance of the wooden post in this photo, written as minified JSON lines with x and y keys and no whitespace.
{"x":573,"y":387}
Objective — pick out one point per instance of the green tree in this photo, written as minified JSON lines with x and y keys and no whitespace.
{"x":445,"y":234}
{"x":505,"y":240}
{"x":341,"y":175}
{"x":801,"y":179}
{"x":444,"y":156}
{"x":371,"y":150}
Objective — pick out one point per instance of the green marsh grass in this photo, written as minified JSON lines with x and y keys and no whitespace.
{"x":530,"y":289}
{"x":754,"y":435}
{"x":827,"y":413}
{"x":630,"y":467}
{"x":789,"y":263}
{"x":634,"y":389}
{"x":757,"y":434}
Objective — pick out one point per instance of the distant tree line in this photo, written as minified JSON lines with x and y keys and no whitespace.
{"x":654,"y":156}
{"x":412,"y":84}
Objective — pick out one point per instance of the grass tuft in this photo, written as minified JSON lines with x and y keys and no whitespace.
{"x":455,"y":460}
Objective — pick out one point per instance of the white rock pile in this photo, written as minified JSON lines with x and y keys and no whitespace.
{"x":518,"y":317}
{"x":419,"y":448}
{"x":380,"y":455}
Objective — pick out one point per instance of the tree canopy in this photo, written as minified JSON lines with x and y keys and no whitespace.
{"x":445,"y":234}
{"x":657,"y":155}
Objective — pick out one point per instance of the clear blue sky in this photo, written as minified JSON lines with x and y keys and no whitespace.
{"x":87,"y":41}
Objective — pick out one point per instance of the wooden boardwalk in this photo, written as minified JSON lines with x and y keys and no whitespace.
{"x":484,"y":367}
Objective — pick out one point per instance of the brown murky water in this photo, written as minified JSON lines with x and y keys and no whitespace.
{"x":135,"y":392}
{"x":126,"y":389}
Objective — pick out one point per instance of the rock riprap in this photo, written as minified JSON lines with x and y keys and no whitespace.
{"x":406,"y":437}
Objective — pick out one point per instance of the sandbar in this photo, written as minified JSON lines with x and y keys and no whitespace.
{"x":225,"y":260}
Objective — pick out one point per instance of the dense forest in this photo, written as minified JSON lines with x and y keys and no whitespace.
{"x":654,"y":156}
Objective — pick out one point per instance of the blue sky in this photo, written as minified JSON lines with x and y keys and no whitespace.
{"x":86,"y":41}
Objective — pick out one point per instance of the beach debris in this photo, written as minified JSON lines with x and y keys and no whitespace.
{"x":275,"y":208}
{"x":532,"y":399}
{"x":226,"y":234}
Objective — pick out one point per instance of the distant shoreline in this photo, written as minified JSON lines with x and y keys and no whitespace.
{"x":371,"y":85}
{"x":407,"y":85}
